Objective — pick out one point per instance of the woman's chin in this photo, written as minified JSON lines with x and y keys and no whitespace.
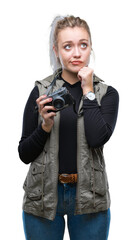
{"x":74,"y":69}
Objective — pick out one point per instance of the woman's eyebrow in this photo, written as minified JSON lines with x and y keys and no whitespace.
{"x":69,"y":41}
{"x":81,"y":40}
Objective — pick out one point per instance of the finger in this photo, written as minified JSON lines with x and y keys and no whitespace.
{"x":49,"y":115}
{"x":40,"y":98}
{"x":47,"y":108}
{"x":44,"y":101}
{"x":79,"y":76}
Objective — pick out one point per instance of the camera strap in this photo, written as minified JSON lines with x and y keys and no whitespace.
{"x":50,"y":86}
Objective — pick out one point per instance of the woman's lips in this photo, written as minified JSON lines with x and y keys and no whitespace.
{"x":76,"y":62}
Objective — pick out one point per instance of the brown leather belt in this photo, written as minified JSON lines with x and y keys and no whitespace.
{"x":68,"y":178}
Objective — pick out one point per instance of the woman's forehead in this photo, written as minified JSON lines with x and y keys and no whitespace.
{"x":69,"y":34}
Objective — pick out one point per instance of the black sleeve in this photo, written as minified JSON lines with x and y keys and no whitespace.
{"x":100,"y":121}
{"x":33,"y":136}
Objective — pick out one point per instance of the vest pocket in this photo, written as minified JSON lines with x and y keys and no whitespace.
{"x":33,"y":183}
{"x":99,"y":182}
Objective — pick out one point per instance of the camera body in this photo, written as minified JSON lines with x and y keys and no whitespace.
{"x":60,"y":99}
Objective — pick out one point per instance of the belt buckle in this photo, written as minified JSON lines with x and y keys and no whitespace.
{"x":63,"y":175}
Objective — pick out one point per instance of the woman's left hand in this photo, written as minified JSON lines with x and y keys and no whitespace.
{"x":85,"y":75}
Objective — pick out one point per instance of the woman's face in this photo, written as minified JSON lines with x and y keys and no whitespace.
{"x":74,"y":48}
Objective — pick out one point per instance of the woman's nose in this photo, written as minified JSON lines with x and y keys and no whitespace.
{"x":76,"y":52}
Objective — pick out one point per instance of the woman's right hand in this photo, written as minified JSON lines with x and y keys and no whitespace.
{"x":48,"y":117}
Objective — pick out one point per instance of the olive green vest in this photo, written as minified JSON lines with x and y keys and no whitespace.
{"x":92,"y":193}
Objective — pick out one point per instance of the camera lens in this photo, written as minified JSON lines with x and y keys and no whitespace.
{"x":58,"y":103}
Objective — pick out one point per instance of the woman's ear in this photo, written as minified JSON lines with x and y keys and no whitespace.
{"x":55,"y":51}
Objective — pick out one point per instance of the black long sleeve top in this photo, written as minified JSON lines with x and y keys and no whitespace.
{"x":99,"y":122}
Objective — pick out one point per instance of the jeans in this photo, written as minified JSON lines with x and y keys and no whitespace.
{"x":92,"y":226}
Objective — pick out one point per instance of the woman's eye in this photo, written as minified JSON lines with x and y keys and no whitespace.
{"x":83,"y":45}
{"x":67,"y":47}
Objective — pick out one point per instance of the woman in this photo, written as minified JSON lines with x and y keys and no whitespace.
{"x":65,"y":146}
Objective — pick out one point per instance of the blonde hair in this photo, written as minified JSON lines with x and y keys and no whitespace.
{"x":59,"y":23}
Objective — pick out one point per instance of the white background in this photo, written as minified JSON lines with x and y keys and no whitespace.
{"x":24,"y":58}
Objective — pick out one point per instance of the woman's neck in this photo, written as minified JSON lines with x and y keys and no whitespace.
{"x":69,"y":77}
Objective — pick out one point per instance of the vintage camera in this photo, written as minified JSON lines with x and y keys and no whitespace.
{"x":60,"y":99}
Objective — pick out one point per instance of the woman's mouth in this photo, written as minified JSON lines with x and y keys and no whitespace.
{"x":76,"y":62}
